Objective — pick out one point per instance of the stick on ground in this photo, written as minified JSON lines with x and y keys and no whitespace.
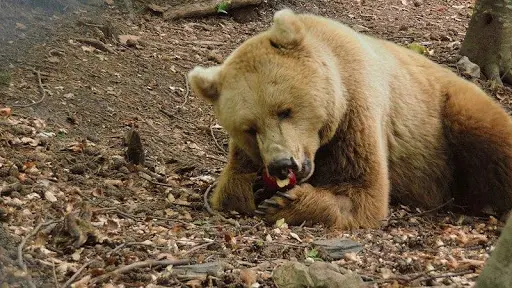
{"x":205,"y":8}
{"x":21,"y":263}
{"x":41,"y":89}
{"x":142,"y":264}
{"x":72,"y":279}
{"x":206,"y":198}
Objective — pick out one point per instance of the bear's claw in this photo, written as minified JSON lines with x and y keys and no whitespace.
{"x":274,"y":204}
{"x":285,"y":195}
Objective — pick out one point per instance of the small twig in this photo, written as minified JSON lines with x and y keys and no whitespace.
{"x":21,"y":264}
{"x":195,"y":248}
{"x":55,"y":275}
{"x":170,"y":115}
{"x":216,"y":142}
{"x":433,"y":277}
{"x":216,"y":158}
{"x":424,"y":212}
{"x":72,"y":279}
{"x":206,"y":201}
{"x":41,"y":88}
{"x":136,"y":265}
{"x":206,"y":198}
{"x":154,"y":182}
{"x":96,"y":44}
{"x":187,"y":91}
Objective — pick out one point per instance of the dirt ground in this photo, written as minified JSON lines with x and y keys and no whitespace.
{"x":62,"y":153}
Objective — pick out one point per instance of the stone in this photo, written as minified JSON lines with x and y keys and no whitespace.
{"x":329,"y":275}
{"x":469,"y":68}
{"x":292,"y":275}
{"x":335,"y":249}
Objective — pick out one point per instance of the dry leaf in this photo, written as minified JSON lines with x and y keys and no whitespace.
{"x":248,"y":276}
{"x":48,"y":195}
{"x":5,"y":112}
{"x":295,"y":236}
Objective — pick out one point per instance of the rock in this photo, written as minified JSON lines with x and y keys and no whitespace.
{"x":335,"y":249}
{"x":329,"y":275}
{"x":200,"y":271}
{"x":496,"y":272}
{"x":468,"y":67}
{"x":291,"y":275}
{"x":319,"y":274}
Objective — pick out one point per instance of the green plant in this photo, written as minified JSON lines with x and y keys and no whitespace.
{"x":223,"y":6}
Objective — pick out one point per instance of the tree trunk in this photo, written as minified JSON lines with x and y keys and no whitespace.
{"x":497,"y":272}
{"x":488,"y":40}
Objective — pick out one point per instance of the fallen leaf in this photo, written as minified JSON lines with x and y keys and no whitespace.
{"x":195,"y":283}
{"x":248,"y":276}
{"x":5,"y":112}
{"x":48,"y":195}
{"x":128,"y":39}
{"x":295,"y":236}
{"x":281,"y":223}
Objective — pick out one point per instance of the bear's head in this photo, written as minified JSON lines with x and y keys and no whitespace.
{"x":278,"y":95}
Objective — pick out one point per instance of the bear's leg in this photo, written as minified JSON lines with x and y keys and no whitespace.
{"x":234,"y":190}
{"x":480,"y":135}
{"x":352,"y":208}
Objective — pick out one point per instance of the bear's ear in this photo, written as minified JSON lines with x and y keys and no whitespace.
{"x":287,"y":30}
{"x":205,"y":82}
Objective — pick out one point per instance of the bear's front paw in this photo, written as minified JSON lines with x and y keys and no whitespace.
{"x":273,"y":208}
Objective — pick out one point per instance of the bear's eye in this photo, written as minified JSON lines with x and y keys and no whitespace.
{"x":284,"y":114}
{"x":251,"y":131}
{"x":274,"y":44}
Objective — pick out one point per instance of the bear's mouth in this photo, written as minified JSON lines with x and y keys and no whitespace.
{"x":302,"y":172}
{"x":306,"y":172}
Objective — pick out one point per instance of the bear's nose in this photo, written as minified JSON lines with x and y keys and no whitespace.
{"x":280,"y":168}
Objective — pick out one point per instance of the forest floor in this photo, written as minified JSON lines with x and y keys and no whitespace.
{"x":72,"y":209}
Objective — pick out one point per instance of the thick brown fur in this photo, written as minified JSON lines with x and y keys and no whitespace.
{"x":376,"y":119}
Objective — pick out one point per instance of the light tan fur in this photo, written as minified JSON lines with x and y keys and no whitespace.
{"x":377,"y":120}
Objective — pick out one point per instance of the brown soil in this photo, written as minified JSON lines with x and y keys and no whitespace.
{"x":93,"y":97}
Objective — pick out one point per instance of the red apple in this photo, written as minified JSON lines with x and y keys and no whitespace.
{"x":274,"y":184}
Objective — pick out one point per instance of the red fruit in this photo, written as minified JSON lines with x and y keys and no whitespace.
{"x":271,"y":183}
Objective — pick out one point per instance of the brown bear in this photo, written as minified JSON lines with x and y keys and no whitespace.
{"x":359,"y":120}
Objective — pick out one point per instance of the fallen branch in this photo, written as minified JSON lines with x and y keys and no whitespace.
{"x":21,"y":264}
{"x":142,"y":264}
{"x":41,"y":89}
{"x":96,"y":44}
{"x":195,"y":248}
{"x":204,"y":8}
{"x":72,"y":279}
